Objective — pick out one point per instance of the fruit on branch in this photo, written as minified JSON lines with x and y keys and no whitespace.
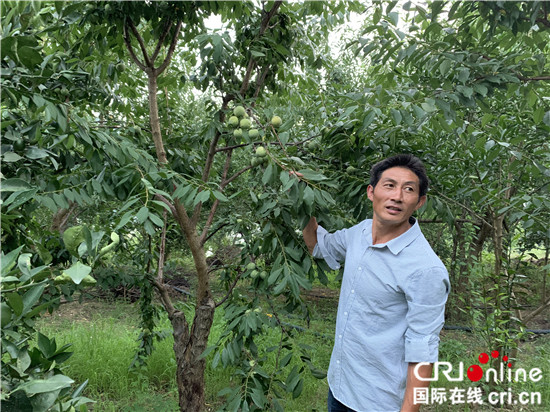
{"x":239,"y":111}
{"x":19,"y":145}
{"x":253,"y":133}
{"x":245,"y":124}
{"x":233,"y":121}
{"x":276,"y":121}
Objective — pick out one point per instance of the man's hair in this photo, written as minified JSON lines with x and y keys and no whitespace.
{"x":407,"y":161}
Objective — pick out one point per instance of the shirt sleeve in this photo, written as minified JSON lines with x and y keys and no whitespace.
{"x":331,"y":247}
{"x":426,"y":292}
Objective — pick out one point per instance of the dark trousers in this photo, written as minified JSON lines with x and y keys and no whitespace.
{"x":335,"y":406}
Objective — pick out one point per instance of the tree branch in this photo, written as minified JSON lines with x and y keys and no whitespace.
{"x":167,"y":203}
{"x":216,"y":202}
{"x":165,"y":31}
{"x":230,"y":290}
{"x":168,"y":58}
{"x":260,"y":82}
{"x":464,"y":207}
{"x":252,"y":62}
{"x":236,"y":175}
{"x":532,"y":79}
{"x":210,"y":157}
{"x":128,"y":43}
{"x":533,"y":314}
{"x":136,"y":34}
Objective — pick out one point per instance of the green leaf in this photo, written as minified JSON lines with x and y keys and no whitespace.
{"x":220,"y":196}
{"x":429,"y":106}
{"x":465,"y":90}
{"x":444,"y":67}
{"x":11,"y":157}
{"x":309,"y":196}
{"x":397,"y":117}
{"x":311,"y":175}
{"x":29,"y":57}
{"x":538,"y":114}
{"x":14,"y":185}
{"x":56,"y":382}
{"x":268,"y":174}
{"x":78,"y":271}
{"x":201,"y":197}
{"x":7,"y":262}
{"x":46,"y":346}
{"x":546,"y":118}
{"x":36,"y":153}
{"x":142,"y":214}
{"x":31,"y":297}
{"x":15,"y":301}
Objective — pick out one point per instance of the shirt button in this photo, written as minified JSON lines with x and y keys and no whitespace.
{"x":338,"y":361}
{"x":345,"y":313}
{"x":359,"y":267}
{"x":353,"y":291}
{"x":340,"y":336}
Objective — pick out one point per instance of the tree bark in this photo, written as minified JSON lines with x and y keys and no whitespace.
{"x":188,"y":347}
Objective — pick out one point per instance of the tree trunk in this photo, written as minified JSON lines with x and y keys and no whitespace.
{"x":188,"y":347}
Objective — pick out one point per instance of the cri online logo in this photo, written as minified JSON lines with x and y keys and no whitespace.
{"x":475,"y":372}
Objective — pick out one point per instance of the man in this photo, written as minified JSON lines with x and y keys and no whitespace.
{"x":392,"y":298}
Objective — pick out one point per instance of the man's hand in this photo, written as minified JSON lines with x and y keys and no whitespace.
{"x":310,"y":234}
{"x":425,"y":371}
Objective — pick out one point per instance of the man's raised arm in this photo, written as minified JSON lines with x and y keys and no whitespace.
{"x":310,"y":234}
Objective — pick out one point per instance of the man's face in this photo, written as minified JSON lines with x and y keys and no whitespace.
{"x":396,"y":196}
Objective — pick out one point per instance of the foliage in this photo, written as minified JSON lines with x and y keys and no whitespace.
{"x":31,"y":375}
{"x":117,"y":112}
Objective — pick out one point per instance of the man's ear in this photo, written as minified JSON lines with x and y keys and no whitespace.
{"x":421,"y":202}
{"x":370,"y":192}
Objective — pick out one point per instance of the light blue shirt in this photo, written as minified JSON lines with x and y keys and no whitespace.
{"x":390,"y":312}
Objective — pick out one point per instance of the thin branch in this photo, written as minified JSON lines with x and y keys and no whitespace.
{"x":464,"y":207}
{"x":236,"y":175}
{"x":214,"y":207}
{"x":168,"y":58}
{"x":167,"y":302}
{"x":223,"y":149}
{"x":215,"y":231}
{"x":165,"y":31}
{"x":136,"y":34}
{"x":230,"y":290}
{"x":209,"y":219}
{"x":533,"y":314}
{"x":167,"y":203}
{"x":246,"y":79}
{"x":531,"y":79}
{"x":162,"y":249}
{"x":260,"y":82}
{"x":252,"y":62}
{"x":128,"y":43}
{"x":159,"y":280}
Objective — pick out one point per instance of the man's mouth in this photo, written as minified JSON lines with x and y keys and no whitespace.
{"x":393,"y":209}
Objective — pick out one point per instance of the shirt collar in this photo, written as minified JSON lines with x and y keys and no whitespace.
{"x":400,"y":242}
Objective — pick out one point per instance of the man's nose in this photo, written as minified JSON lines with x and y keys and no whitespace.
{"x":397,"y":195}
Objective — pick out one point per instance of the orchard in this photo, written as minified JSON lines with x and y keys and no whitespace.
{"x":137,"y":135}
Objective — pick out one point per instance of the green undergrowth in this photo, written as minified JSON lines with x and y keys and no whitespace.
{"x":104,"y":341}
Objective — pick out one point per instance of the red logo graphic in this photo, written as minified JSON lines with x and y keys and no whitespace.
{"x":475,"y":373}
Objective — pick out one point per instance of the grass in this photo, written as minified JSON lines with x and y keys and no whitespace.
{"x":104,"y":340}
